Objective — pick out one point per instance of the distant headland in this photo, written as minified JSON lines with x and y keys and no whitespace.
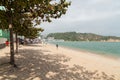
{"x":74,"y":36}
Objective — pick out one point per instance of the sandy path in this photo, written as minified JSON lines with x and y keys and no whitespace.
{"x":45,"y":62}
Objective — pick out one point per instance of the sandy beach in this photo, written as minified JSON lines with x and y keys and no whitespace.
{"x":46,"y":62}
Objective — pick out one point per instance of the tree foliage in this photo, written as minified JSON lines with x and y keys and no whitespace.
{"x":19,"y":14}
{"x":29,"y":10}
{"x":42,"y":10}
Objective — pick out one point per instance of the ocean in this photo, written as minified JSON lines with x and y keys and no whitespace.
{"x":104,"y":48}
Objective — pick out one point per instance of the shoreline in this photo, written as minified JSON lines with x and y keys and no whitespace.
{"x":90,"y":61}
{"x":46,"y":57}
{"x":114,"y":57}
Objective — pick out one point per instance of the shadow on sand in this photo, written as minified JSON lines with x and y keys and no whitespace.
{"x":40,"y":66}
{"x":33,"y":45}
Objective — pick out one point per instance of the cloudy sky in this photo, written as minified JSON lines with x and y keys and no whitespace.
{"x":88,"y":16}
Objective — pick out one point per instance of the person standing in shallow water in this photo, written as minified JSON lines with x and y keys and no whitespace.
{"x":57,"y":46}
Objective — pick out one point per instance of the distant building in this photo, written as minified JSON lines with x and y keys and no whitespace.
{"x":60,"y":40}
{"x":4,"y":36}
{"x":50,"y":39}
{"x":53,"y":39}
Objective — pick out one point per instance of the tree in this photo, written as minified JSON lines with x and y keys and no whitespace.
{"x":37,"y":10}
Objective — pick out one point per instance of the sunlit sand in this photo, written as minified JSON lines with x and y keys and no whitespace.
{"x":46,"y":62}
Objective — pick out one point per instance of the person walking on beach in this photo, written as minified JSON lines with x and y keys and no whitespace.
{"x":57,"y":46}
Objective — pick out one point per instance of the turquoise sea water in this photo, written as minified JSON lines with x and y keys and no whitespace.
{"x":104,"y":48}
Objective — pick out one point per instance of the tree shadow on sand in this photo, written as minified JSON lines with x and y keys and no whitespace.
{"x":40,"y":66}
{"x":33,"y":45}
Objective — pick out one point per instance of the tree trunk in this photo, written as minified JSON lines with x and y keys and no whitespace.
{"x":10,"y":14}
{"x":16,"y":36}
{"x":12,"y":61}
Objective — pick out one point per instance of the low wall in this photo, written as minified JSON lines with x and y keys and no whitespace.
{"x":2,"y":46}
{"x":2,"y":42}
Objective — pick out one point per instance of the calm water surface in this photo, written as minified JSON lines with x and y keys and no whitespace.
{"x":105,"y":48}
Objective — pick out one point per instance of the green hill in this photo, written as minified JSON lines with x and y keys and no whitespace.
{"x":73,"y":36}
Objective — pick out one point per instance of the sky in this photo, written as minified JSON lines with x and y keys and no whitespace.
{"x":88,"y":16}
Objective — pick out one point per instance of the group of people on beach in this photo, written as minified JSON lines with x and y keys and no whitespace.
{"x":7,"y":44}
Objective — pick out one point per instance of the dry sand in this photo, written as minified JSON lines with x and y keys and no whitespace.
{"x":46,"y":62}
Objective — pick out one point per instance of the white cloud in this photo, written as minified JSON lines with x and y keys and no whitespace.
{"x":100,"y":1}
{"x":87,"y":11}
{"x":91,"y":10}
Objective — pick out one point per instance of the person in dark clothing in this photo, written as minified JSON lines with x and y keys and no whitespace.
{"x":57,"y":46}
